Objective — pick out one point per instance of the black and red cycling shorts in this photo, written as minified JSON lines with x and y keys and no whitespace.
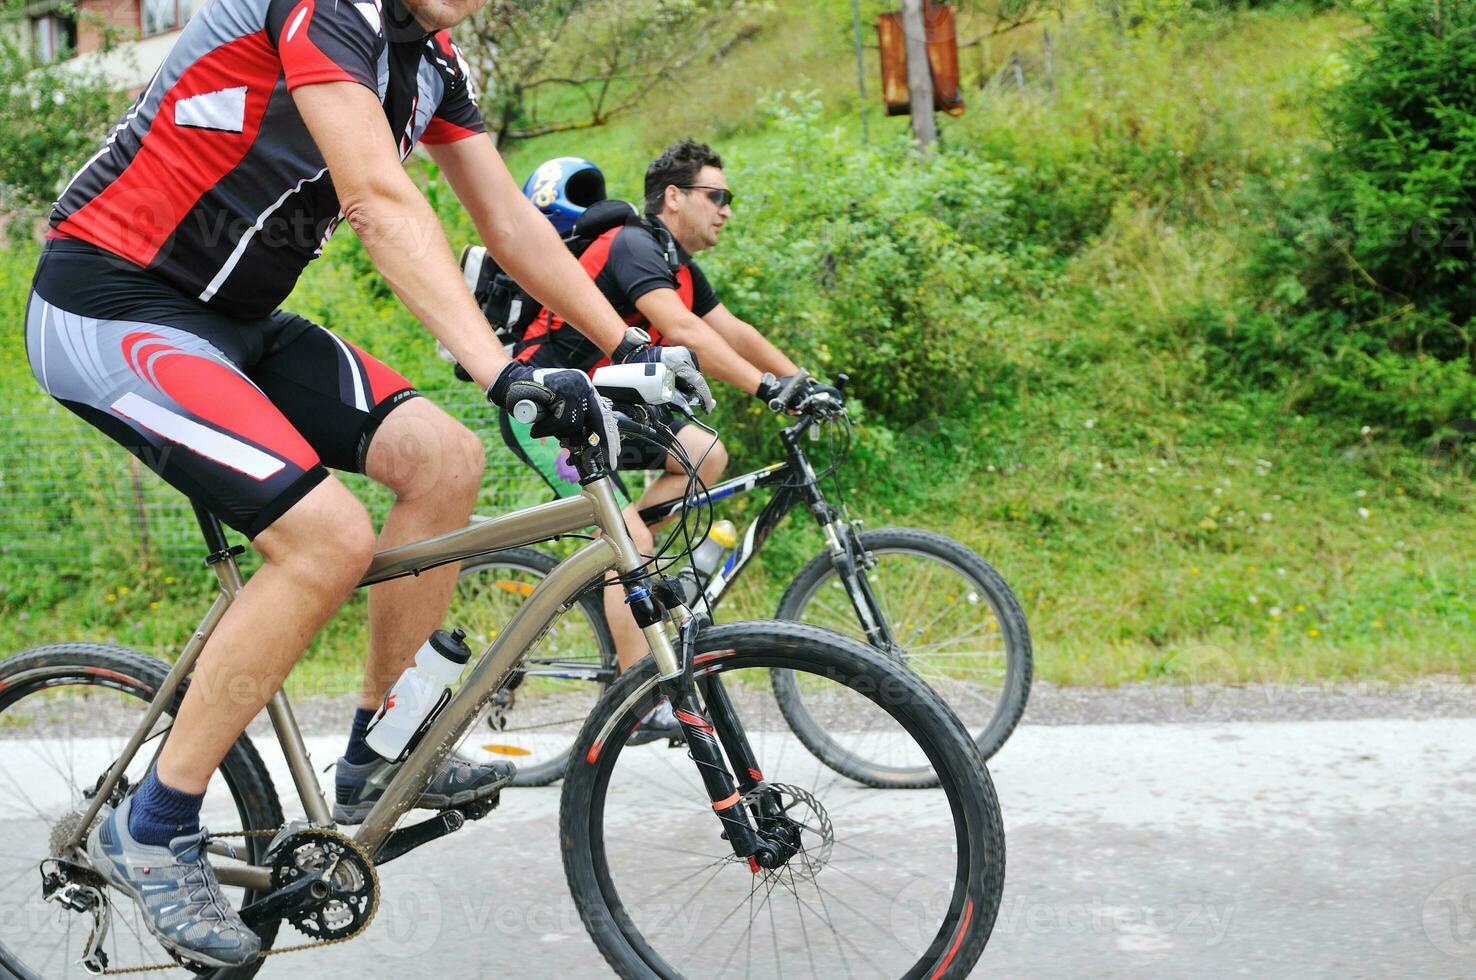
{"x":241,"y":415}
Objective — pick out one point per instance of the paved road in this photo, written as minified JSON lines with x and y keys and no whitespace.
{"x":1269,"y":849}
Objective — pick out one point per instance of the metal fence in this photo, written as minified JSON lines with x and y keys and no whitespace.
{"x":70,"y":497}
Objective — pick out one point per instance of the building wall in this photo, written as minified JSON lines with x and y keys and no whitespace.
{"x":122,"y":15}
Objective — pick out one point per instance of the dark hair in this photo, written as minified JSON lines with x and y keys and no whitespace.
{"x":678,"y":164}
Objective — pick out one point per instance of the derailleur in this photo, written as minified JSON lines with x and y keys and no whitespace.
{"x":84,"y":891}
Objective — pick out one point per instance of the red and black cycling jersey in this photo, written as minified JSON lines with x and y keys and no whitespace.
{"x":212,"y":181}
{"x":626,"y":263}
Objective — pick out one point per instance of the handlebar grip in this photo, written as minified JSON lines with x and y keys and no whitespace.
{"x":461,"y":373}
{"x":527,"y":412}
{"x":781,"y":397}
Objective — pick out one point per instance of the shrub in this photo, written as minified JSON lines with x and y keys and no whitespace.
{"x":56,"y":115}
{"x":881,"y":263}
{"x":1366,"y":282}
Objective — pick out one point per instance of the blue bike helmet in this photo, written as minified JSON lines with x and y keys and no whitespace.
{"x":563,"y":188}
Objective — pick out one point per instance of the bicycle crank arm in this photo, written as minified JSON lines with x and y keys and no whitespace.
{"x":299,"y":896}
{"x":407,"y":839}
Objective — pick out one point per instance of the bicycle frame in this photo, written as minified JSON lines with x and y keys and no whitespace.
{"x":797,"y":484}
{"x":595,"y":506}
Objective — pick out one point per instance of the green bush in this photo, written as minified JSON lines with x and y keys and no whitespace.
{"x":1366,"y":282}
{"x":56,"y":115}
{"x":890,"y":266}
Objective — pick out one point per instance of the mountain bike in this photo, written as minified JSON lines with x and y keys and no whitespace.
{"x":769,"y":846}
{"x":920,"y":598}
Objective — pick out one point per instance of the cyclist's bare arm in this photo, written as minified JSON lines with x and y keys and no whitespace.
{"x":523,"y":241}
{"x":751,"y":345}
{"x":395,"y":222}
{"x":679,"y":325}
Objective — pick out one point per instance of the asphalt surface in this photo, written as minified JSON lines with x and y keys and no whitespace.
{"x":1268,"y":849}
{"x":1299,"y":847}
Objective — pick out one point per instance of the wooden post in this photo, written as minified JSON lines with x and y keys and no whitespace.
{"x":140,"y":514}
{"x":919,"y":75}
{"x":1050,"y":62}
{"x":860,"y":71}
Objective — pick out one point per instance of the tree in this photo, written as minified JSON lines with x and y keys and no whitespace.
{"x":55,"y":115}
{"x":549,"y":66}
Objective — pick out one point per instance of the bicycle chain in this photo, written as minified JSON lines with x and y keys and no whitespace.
{"x":341,"y":838}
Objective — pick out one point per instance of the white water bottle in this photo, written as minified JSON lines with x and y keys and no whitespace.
{"x":418,"y":696}
{"x":708,"y":555}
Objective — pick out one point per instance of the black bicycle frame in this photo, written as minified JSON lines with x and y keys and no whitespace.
{"x":795,"y":483}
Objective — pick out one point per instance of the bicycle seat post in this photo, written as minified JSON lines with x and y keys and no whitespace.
{"x":221,"y":557}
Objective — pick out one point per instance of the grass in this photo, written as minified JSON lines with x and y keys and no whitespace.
{"x":1155,"y":525}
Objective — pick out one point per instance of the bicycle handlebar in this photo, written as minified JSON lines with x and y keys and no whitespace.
{"x":781,"y":397}
{"x":527,"y":412}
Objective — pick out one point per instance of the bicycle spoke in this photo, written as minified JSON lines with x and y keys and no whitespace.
{"x":825,"y":909}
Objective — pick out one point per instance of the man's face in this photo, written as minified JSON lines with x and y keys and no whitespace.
{"x":438,"y":15}
{"x":697,"y":219}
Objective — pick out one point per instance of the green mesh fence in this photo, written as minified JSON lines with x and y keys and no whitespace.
{"x":71,"y":497}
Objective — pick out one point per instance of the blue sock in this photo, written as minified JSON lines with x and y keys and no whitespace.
{"x":358,"y":751}
{"x":159,"y":813}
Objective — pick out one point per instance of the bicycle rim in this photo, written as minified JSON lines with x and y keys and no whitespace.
{"x":61,"y":726}
{"x":555,"y":688}
{"x":951,"y":626}
{"x":883,"y":884}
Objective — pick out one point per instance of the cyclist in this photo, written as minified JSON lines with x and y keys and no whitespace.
{"x":647,"y":273}
{"x":154,"y":316}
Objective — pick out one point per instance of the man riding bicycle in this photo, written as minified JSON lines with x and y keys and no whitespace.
{"x":154,"y":316}
{"x":647,"y":272}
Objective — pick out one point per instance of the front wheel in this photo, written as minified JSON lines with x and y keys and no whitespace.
{"x":880,"y":884}
{"x":953,"y":621}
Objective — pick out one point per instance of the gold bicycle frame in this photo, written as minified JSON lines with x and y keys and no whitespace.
{"x":594,"y":505}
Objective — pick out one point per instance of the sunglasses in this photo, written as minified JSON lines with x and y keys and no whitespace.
{"x":720,"y":196}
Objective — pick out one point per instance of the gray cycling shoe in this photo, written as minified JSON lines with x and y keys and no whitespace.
{"x":175,"y":887}
{"x":457,"y":782}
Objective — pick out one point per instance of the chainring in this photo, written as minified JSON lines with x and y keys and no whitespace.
{"x":354,"y":883}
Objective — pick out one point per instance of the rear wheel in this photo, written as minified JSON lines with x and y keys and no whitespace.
{"x":66,"y":712}
{"x":879,"y":884}
{"x":953,"y":621}
{"x":533,"y":720}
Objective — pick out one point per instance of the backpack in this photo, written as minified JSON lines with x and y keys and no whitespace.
{"x":509,"y":308}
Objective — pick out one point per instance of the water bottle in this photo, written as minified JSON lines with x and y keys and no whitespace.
{"x":418,"y":696}
{"x":707,"y":558}
{"x":708,"y":555}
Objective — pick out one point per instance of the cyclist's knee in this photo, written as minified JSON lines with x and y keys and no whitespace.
{"x":420,"y":451}
{"x":640,"y":534}
{"x":716,"y":462}
{"x":706,"y":450}
{"x":328,"y":532}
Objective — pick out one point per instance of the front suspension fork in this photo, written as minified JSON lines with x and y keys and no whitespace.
{"x":707,"y":743}
{"x":849,"y":558}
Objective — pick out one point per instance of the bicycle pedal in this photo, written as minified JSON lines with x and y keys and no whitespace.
{"x":478,"y":809}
